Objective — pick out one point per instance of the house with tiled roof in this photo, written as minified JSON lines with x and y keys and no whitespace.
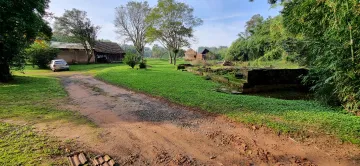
{"x":191,"y":55}
{"x":104,"y":52}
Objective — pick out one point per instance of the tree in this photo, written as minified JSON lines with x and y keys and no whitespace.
{"x":40,"y":53}
{"x":172,"y":25}
{"x":76,"y":24}
{"x":131,"y":60}
{"x":254,"y":22}
{"x":21,"y":22}
{"x":129,"y":49}
{"x":158,"y":51}
{"x":130,"y":22}
{"x":332,"y":35}
{"x":58,"y":37}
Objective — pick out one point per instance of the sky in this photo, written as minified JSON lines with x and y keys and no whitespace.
{"x":223,"y":19}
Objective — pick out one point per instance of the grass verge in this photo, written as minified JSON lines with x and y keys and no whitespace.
{"x":32,"y":99}
{"x":21,"y":145}
{"x":287,"y":116}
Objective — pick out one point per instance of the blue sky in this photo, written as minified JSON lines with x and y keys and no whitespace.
{"x":223,"y":19}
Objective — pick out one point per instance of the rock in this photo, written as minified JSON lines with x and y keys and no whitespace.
{"x":212,"y":157}
{"x":207,"y":77}
{"x":227,"y":63}
{"x":255,"y":127}
{"x":235,"y":92}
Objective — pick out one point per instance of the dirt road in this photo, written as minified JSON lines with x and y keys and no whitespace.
{"x":141,"y":130}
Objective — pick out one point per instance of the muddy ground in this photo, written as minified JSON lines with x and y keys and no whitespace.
{"x":138,"y":129}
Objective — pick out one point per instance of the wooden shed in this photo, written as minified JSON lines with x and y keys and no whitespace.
{"x":105,"y":52}
{"x":108,"y":52}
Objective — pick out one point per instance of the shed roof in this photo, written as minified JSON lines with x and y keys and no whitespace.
{"x":205,"y":51}
{"x":102,"y":47}
{"x":108,"y":48}
{"x":63,"y":45}
{"x":190,"y":51}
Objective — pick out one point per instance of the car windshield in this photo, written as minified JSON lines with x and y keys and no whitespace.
{"x":60,"y":62}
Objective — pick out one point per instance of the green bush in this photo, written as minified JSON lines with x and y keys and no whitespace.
{"x":142,"y":64}
{"x":40,"y":54}
{"x":131,"y":60}
{"x":331,"y":32}
{"x":273,"y":54}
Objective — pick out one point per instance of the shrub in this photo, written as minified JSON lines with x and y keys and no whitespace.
{"x":131,"y":60}
{"x":273,"y":54}
{"x":142,"y":65}
{"x":40,"y":54}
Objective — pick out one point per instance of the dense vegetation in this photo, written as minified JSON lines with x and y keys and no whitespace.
{"x":265,"y":40}
{"x":322,"y":35}
{"x":40,"y":54}
{"x":20,"y":23}
{"x":293,"y":116}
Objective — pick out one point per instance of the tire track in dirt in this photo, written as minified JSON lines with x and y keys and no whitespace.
{"x":142,"y":130}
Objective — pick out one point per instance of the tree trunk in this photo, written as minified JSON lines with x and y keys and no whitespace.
{"x":89,"y":54}
{"x":170,"y":58}
{"x":175,"y":59}
{"x":5,"y":75}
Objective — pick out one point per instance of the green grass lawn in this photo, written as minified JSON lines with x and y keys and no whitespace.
{"x":31,"y":99}
{"x":21,"y":145}
{"x":83,"y":68}
{"x":287,"y":116}
{"x":34,"y":98}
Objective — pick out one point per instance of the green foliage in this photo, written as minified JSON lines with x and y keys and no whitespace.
{"x":20,"y":23}
{"x":131,"y":60}
{"x":265,"y":39}
{"x":293,"y":116}
{"x":40,"y":54}
{"x":64,"y":38}
{"x":172,"y":25}
{"x":159,"y":52}
{"x":142,"y":65}
{"x":331,"y":34}
{"x":130,"y":49}
{"x":274,"y":54}
{"x":130,"y":23}
{"x":75,"y":24}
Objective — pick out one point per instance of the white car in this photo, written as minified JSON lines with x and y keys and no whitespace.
{"x":59,"y":64}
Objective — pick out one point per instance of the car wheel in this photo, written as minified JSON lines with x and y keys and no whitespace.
{"x":54,"y":70}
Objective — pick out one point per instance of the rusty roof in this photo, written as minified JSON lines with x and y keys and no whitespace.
{"x":102,"y":47}
{"x":62,"y":45}
{"x":108,"y":48}
{"x":190,"y":51}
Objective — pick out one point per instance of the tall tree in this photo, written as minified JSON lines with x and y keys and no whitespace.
{"x":75,"y":23}
{"x":130,"y":23}
{"x":254,"y":22}
{"x":331,"y":31}
{"x":20,"y":22}
{"x":172,"y":25}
